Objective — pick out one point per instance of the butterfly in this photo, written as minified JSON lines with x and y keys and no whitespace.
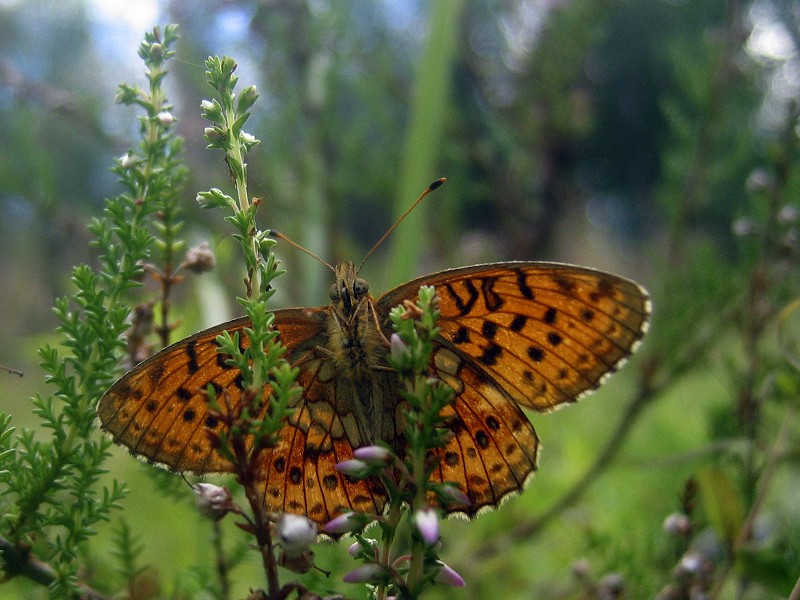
{"x":514,"y":336}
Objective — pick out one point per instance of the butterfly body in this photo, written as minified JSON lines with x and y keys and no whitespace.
{"x":534,"y":335}
{"x":357,"y":349}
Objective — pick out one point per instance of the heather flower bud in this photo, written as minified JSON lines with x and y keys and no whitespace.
{"x":165,"y":118}
{"x":759,"y":180}
{"x":427,"y":521}
{"x":690,"y":563}
{"x":295,"y":533}
{"x":677,"y":524}
{"x":346,"y":523}
{"x":213,"y":134}
{"x":581,"y":568}
{"x":200,"y":259}
{"x":213,"y":501}
{"x":247,"y":98}
{"x":743,"y":227}
{"x":448,"y":576}
{"x":371,"y":573}
{"x":788,"y":214}
{"x":373,"y":455}
{"x":453,"y":496}
{"x":128,"y":160}
{"x":613,"y":584}
{"x":364,"y":544}
{"x":354,"y":468}
{"x":397,"y":348}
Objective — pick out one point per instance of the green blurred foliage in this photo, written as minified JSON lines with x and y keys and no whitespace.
{"x":647,"y":137}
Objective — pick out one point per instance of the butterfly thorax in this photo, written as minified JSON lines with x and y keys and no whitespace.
{"x":357,"y":350}
{"x":357,"y":346}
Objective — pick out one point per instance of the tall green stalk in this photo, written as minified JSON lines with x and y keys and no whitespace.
{"x":426,"y":129}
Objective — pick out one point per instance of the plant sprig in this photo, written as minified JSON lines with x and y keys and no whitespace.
{"x":52,"y":497}
{"x":406,"y":479}
{"x":265,"y":375}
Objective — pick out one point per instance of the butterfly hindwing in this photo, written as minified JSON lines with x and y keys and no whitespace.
{"x":299,"y":473}
{"x":494,"y":447}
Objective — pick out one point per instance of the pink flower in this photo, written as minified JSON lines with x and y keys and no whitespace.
{"x":367,"y":544}
{"x":397,"y":348}
{"x":354,"y":468}
{"x":373,"y":455}
{"x":345,"y":523}
{"x":370,"y":573}
{"x":452,"y":495}
{"x":427,"y":521}
{"x":448,"y":576}
{"x":165,"y":118}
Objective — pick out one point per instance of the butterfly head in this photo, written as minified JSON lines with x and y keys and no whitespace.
{"x":349,"y":290}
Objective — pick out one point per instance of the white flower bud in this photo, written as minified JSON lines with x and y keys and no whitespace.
{"x":165,"y":118}
{"x":295,"y":533}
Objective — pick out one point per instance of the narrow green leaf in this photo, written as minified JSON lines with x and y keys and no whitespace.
{"x":722,"y":505}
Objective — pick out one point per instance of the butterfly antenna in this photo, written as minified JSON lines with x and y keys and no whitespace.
{"x":427,"y":191}
{"x":280,"y":236}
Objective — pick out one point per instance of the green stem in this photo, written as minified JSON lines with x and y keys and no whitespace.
{"x":415,"y":570}
{"x":236,"y":153}
{"x":392,"y":520}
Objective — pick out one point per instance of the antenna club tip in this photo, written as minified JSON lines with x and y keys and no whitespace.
{"x":436,"y":183}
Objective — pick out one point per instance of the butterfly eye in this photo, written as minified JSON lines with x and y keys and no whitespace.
{"x":334,"y":293}
{"x":360,"y":288}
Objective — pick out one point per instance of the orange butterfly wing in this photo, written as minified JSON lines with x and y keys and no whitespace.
{"x":299,"y":473}
{"x":158,"y":409}
{"x":520,"y":334}
{"x":159,"y":412}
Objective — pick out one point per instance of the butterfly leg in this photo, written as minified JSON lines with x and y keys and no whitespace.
{"x":374,"y":315}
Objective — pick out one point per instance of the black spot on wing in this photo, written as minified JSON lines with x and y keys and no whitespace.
{"x":518,"y":323}
{"x":295,"y":475}
{"x":492,"y":299}
{"x":191,"y":352}
{"x":461,"y":336}
{"x":554,"y":338}
{"x":536,"y":354}
{"x":490,"y":354}
{"x":522,"y":285}
{"x":463,"y":305}
{"x":489,"y":329}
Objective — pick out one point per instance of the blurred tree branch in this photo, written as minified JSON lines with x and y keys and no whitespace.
{"x":55,"y":100}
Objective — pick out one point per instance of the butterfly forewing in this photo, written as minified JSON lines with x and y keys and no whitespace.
{"x":159,"y":409}
{"x":544,"y":332}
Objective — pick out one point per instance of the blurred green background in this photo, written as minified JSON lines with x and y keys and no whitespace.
{"x":652,"y":138}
